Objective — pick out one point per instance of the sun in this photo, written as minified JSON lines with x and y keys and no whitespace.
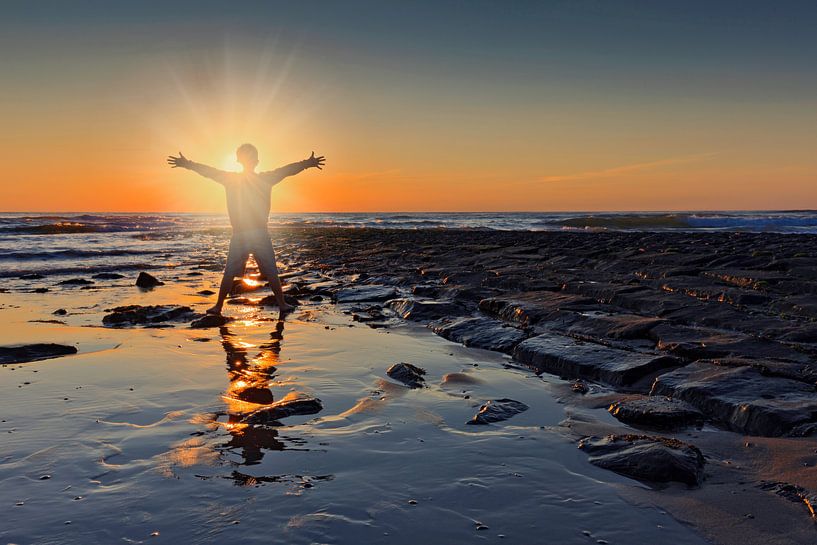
{"x":230,"y":163}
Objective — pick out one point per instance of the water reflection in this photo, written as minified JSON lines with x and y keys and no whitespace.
{"x":249,"y":390}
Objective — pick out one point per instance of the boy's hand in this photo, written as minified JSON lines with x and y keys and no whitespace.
{"x":182,"y":161}
{"x":312,"y":161}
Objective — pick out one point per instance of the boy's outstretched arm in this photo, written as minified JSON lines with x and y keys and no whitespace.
{"x":275,"y":176}
{"x":207,"y":171}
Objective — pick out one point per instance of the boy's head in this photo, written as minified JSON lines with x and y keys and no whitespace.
{"x":247,"y":155}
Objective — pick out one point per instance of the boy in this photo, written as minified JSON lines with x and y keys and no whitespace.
{"x":248,"y":205}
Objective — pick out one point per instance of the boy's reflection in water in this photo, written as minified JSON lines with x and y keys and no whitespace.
{"x":248,"y":390}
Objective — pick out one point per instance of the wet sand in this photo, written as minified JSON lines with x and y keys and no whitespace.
{"x":141,"y":432}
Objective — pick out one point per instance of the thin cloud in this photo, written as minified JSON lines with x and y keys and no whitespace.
{"x":627,"y":169}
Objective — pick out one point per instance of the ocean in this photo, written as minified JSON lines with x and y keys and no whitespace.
{"x":82,"y":243}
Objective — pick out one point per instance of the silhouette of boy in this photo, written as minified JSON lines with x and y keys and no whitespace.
{"x":248,"y":205}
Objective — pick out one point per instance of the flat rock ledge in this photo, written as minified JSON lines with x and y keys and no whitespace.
{"x":497,"y":410}
{"x":150,"y":315}
{"x":408,"y":374}
{"x":480,"y":332}
{"x":34,"y":352}
{"x":795,"y":493}
{"x":656,"y":412}
{"x":571,"y":359}
{"x":743,"y":399}
{"x":365,"y":293}
{"x":646,"y":457}
{"x":291,"y":405}
{"x":412,"y":309}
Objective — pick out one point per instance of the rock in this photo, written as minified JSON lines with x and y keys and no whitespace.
{"x":497,"y":410}
{"x":270,"y":301}
{"x":411,"y":309}
{"x":426,"y":290}
{"x":530,"y":308}
{"x":291,"y":405}
{"x":206,"y":292}
{"x":579,"y":386}
{"x":31,"y":276}
{"x":34,"y":352}
{"x":368,"y":313}
{"x":210,"y":320}
{"x":651,"y":458}
{"x":146,"y":315}
{"x":701,"y":343}
{"x":408,"y":374}
{"x":38,"y":290}
{"x":569,"y":358}
{"x":254,"y":394}
{"x":366,"y":292}
{"x":76,"y":282}
{"x":108,"y":276}
{"x":148,"y":281}
{"x":741,"y":398}
{"x":60,"y":312}
{"x":323,"y":287}
{"x":656,"y":412}
{"x":480,"y":332}
{"x":795,"y":493}
{"x":617,"y":326}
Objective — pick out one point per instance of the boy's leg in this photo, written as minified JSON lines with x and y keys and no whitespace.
{"x":265,"y":257}
{"x":236,"y":259}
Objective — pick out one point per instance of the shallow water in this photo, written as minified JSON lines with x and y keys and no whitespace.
{"x":137,"y":437}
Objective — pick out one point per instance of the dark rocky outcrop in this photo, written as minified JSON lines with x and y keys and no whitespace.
{"x":645,"y":457}
{"x":570,"y":358}
{"x":76,"y":282}
{"x":743,"y":399}
{"x":365,"y":293}
{"x":108,"y":276}
{"x":148,"y":281}
{"x":210,"y":320}
{"x":480,"y":332}
{"x":408,"y":374}
{"x":529,"y":308}
{"x":795,"y":493}
{"x":34,"y":352}
{"x":497,"y":410}
{"x":656,"y":412}
{"x":745,"y":300}
{"x":412,"y":309}
{"x":147,"y":315}
{"x":702,"y":343}
{"x":291,"y":405}
{"x":622,"y":326}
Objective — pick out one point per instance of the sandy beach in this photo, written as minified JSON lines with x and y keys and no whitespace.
{"x":147,"y":433}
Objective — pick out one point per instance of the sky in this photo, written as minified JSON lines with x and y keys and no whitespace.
{"x":417,"y":106}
